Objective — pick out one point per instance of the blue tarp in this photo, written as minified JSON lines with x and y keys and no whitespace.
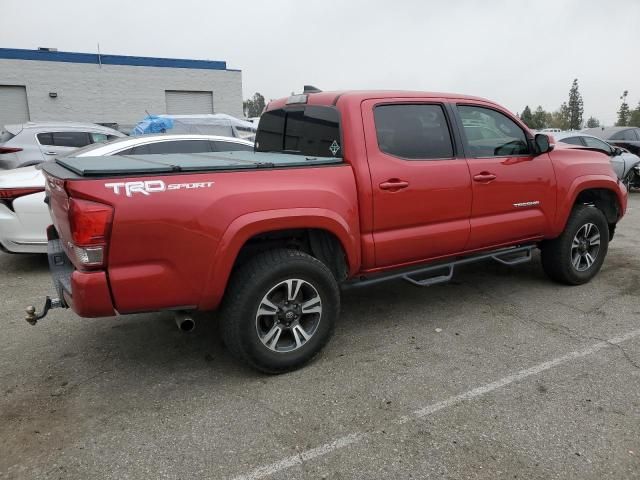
{"x":153,"y":124}
{"x":206,"y":124}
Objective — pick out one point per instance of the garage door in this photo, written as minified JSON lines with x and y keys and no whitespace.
{"x":180,"y":102}
{"x":13,"y":105}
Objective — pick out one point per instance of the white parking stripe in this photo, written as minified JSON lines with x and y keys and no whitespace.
{"x":355,"y":438}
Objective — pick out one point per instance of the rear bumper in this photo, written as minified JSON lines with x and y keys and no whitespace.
{"x":86,"y":293}
{"x":22,"y":234}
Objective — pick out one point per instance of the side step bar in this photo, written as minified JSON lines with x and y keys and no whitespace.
{"x":426,"y":276}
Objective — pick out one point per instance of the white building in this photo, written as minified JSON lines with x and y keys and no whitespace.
{"x":45,"y":84}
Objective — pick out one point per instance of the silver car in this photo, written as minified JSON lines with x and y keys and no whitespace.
{"x":31,"y":143}
{"x":625,"y":164}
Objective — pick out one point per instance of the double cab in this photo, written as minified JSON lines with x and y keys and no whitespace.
{"x":344,"y":189}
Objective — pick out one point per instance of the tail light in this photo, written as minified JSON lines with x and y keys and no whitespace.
{"x":9,"y":150}
{"x":8,"y":195}
{"x":90,"y":224}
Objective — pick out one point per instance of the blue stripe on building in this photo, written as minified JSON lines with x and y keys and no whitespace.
{"x":73,"y":57}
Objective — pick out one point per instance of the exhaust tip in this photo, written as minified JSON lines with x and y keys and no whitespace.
{"x":185,"y":322}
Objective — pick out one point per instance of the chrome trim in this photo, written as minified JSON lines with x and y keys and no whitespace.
{"x":532,"y":203}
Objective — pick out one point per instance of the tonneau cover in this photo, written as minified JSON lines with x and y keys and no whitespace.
{"x":118,"y":165}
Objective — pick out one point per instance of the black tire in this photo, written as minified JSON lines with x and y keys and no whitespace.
{"x":558,"y":255}
{"x":253,"y":282}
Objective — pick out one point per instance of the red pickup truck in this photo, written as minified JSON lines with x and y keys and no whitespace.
{"x":344,"y":189}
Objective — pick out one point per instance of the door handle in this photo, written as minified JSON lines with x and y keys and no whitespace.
{"x":51,"y":153}
{"x":484,"y":177}
{"x":394,"y":184}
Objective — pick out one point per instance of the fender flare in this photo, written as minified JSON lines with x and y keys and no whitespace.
{"x":579,"y":185}
{"x":247,"y":226}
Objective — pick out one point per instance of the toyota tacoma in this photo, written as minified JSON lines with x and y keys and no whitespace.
{"x":344,"y":189}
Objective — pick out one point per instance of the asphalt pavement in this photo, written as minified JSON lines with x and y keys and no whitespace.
{"x":498,"y":374}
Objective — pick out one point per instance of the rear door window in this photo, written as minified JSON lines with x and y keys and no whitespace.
{"x":491,"y":134}
{"x":65,"y":139}
{"x":311,"y":130}
{"x":413,"y":132}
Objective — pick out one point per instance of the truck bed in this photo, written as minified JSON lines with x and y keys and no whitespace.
{"x":128,"y":165}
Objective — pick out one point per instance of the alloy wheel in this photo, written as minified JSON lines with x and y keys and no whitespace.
{"x":288,"y":315}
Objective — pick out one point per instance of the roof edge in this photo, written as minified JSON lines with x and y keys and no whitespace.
{"x":94,"y":58}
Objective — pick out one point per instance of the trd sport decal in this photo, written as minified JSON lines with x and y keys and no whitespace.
{"x":152,"y":186}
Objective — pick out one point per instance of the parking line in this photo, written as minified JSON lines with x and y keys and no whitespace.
{"x":357,"y":437}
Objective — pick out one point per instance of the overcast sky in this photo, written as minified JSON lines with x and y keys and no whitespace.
{"x":511,"y":51}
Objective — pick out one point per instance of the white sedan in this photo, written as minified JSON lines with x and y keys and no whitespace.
{"x":24,"y":216}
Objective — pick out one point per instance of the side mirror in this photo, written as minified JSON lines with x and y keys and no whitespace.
{"x":544,"y":143}
{"x":617,"y":151}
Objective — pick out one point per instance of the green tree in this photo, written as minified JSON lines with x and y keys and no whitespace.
{"x":253,"y":107}
{"x":634,"y":120}
{"x":539,"y":118}
{"x":624,"y":113}
{"x":560,"y":118}
{"x":575,"y":107}
{"x":527,"y":117}
{"x":593,"y":122}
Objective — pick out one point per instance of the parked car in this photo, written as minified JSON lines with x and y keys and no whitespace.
{"x":23,"y":214}
{"x":36,"y":142}
{"x":344,"y":189}
{"x":625,"y":137}
{"x":624,"y":163}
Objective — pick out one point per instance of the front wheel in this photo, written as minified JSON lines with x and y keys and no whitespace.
{"x":576,"y":256}
{"x":280,"y":310}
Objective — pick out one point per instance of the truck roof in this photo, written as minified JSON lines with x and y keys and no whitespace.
{"x":332,"y":97}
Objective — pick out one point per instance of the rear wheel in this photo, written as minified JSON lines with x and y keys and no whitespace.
{"x":280,"y":310}
{"x":576,"y":256}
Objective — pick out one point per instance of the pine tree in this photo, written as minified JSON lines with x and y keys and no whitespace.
{"x":624,"y":113}
{"x":575,"y":107}
{"x":634,"y":120}
{"x":560,"y":118}
{"x":593,"y":122}
{"x":539,"y":118}
{"x":527,"y":117}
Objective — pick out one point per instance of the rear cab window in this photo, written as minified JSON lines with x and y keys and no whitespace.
{"x":309,"y":130}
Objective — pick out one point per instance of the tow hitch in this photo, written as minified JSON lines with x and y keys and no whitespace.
{"x":49,"y":303}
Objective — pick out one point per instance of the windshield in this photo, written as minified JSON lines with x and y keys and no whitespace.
{"x":311,"y":130}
